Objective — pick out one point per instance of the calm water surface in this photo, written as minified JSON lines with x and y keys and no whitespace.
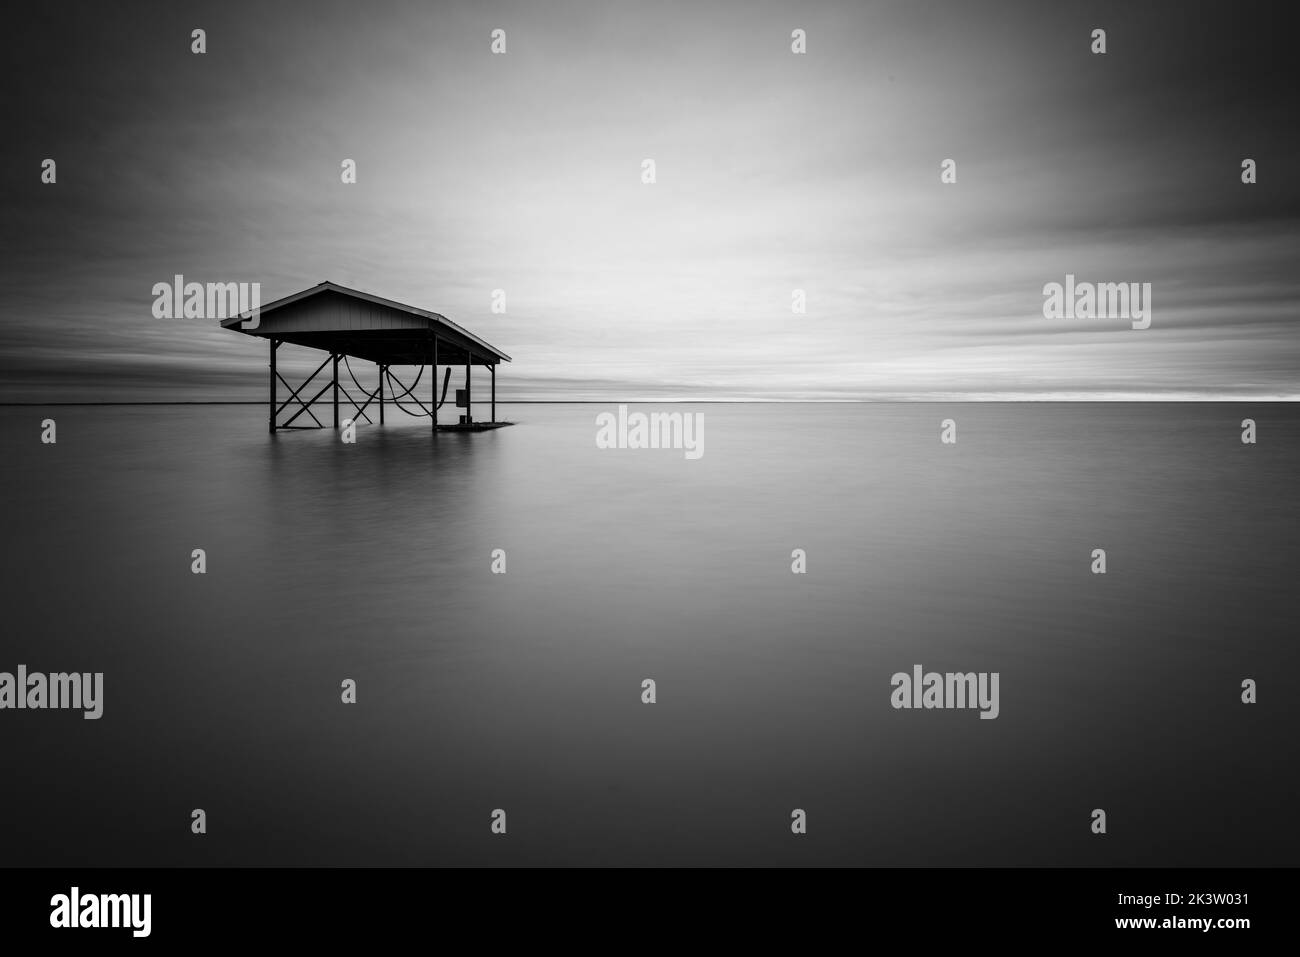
{"x":522,"y":691}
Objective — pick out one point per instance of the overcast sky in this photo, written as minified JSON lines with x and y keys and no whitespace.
{"x":775,"y":172}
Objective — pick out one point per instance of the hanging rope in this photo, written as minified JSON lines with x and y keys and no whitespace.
{"x":393,"y":380}
{"x":396,"y":396}
{"x":360,"y":387}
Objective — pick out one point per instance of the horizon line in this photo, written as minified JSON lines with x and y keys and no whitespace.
{"x":893,"y":400}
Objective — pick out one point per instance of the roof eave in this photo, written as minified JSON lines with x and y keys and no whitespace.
{"x":328,"y":286}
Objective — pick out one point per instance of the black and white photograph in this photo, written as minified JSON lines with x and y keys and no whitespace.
{"x":848,"y":445}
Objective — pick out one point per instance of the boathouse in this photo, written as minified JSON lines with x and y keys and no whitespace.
{"x":347,"y":324}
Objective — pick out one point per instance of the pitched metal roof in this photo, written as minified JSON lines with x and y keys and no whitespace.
{"x":436,"y":321}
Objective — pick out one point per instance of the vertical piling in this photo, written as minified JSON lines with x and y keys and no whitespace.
{"x":271,"y":407}
{"x":336,"y":389}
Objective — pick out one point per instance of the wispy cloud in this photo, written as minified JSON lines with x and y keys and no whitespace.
{"x":776,"y":172}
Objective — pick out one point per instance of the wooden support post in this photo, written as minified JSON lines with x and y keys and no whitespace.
{"x":274,"y":345}
{"x":469,"y":402}
{"x":493,"y":368}
{"x":383,"y":370}
{"x":336,"y":390}
{"x":433,"y":397}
